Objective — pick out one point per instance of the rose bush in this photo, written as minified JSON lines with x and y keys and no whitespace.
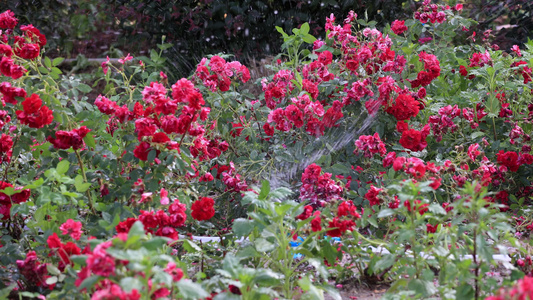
{"x":400,"y":156}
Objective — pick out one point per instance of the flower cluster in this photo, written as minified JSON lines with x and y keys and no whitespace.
{"x":370,"y":145}
{"x":441,"y":123}
{"x":430,"y":72}
{"x":10,"y":92}
{"x":216,"y":73}
{"x":203,"y":209}
{"x":27,"y":46}
{"x":302,"y":112}
{"x":21,"y":195}
{"x":68,"y":139}
{"x":415,"y":140}
{"x":276,"y":90}
{"x":319,"y":189}
{"x":64,"y":251}
{"x":233,"y":180}
{"x":156,"y":120}
{"x":34,"y":113}
{"x":522,"y":289}
{"x":398,"y":27}
{"x":33,"y":270}
{"x":512,"y":160}
{"x":339,"y":224}
{"x":404,"y":108}
{"x":433,"y":12}
{"x":159,"y":223}
{"x":414,"y":166}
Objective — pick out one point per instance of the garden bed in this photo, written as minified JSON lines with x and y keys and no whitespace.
{"x":364,"y":163}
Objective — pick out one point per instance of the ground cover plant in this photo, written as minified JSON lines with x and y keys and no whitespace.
{"x":400,"y":157}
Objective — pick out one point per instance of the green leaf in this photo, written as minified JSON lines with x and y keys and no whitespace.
{"x":304,"y":29}
{"x":385,"y":213}
{"x":191,"y":290}
{"x":155,"y":243}
{"x":62,"y":167}
{"x":280,"y":30}
{"x":43,"y":70}
{"x":88,"y":283}
{"x":52,"y":270}
{"x":130,"y":283}
{"x":6,"y":291}
{"x":137,"y":229}
{"x":309,"y":39}
{"x":79,"y":259}
{"x":57,"y":61}
{"x":436,"y":209}
{"x":37,"y":183}
{"x":191,"y":247}
{"x":89,"y":140}
{"x":51,"y":280}
{"x":464,"y":291}
{"x":80,"y":185}
{"x":267,"y":277}
{"x":423,"y":287}
{"x":476,"y":134}
{"x":262,"y":245}
{"x":47,"y":62}
{"x":242,"y":227}
{"x":265,"y":190}
{"x":84,"y":88}
{"x":386,"y":261}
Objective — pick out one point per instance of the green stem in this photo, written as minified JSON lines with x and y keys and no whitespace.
{"x":89,"y":196}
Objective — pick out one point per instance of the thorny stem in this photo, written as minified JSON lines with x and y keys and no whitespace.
{"x":89,"y":196}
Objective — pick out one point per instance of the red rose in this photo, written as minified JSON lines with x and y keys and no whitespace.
{"x":508,"y":159}
{"x":29,"y":51}
{"x":34,"y":115}
{"x":203,"y":209}
{"x":398,"y":27}
{"x":67,"y":139}
{"x":404,"y":108}
{"x":415,"y":140}
{"x":6,"y":144}
{"x":5,"y":50}
{"x":168,"y":232}
{"x":316,"y":222}
{"x":141,"y":151}
{"x":8,"y":20}
{"x":196,"y":100}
